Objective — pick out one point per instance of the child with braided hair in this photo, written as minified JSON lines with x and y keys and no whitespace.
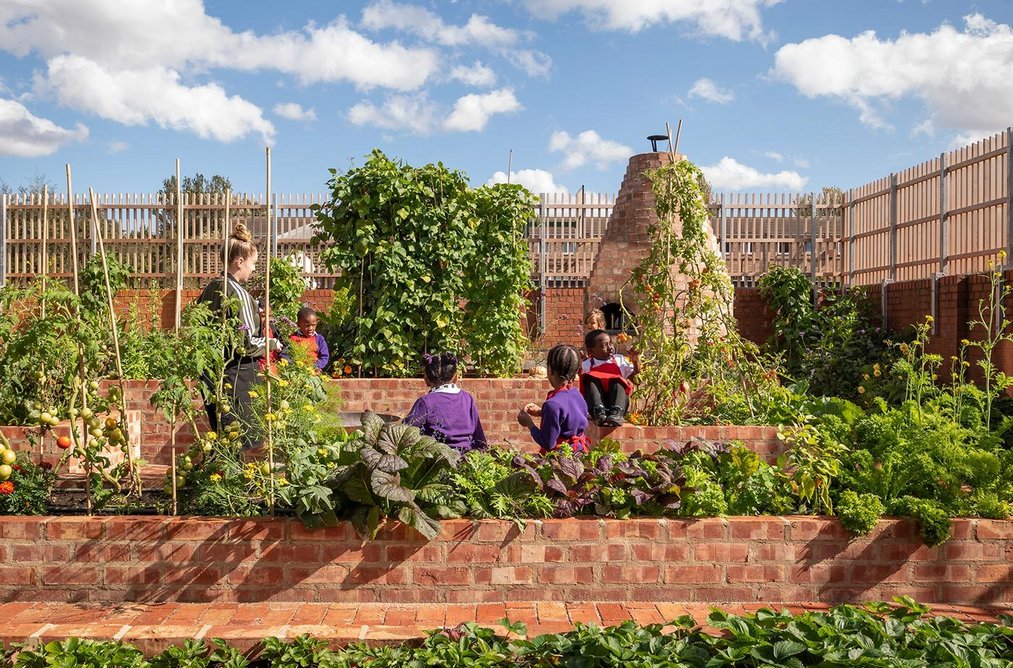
{"x":564,"y":413}
{"x":446,"y":412}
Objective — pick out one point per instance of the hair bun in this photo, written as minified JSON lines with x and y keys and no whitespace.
{"x":241,"y":233}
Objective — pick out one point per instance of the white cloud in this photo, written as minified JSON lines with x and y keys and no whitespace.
{"x":476,"y":75}
{"x":294,"y":112}
{"x":412,"y":113}
{"x":536,"y":180}
{"x":774,"y":155}
{"x":802,"y":163}
{"x":961,"y":77}
{"x":586,"y":147}
{"x":138,"y":97}
{"x":729,"y":174}
{"x":733,"y":19}
{"x":532,"y":63}
{"x":137,"y":35}
{"x":472,"y":112}
{"x":117,"y":146}
{"x":420,"y":21}
{"x":708,"y":90}
{"x":25,"y":135}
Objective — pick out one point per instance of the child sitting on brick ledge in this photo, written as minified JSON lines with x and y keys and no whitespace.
{"x":564,"y":413}
{"x":446,"y":412}
{"x":605,"y":379}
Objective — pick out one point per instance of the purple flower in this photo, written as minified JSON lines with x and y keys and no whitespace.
{"x":243,"y":327}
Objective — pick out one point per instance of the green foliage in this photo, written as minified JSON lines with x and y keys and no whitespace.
{"x":933,"y":519}
{"x":32,"y":486}
{"x":859,"y":512}
{"x":414,"y":247}
{"x":694,"y":365}
{"x":93,"y":284}
{"x":829,"y":345}
{"x":392,"y":471}
{"x":489,"y":486}
{"x":287,"y":287}
{"x":876,"y":635}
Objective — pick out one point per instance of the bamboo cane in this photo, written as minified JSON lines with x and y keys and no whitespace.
{"x":73,"y":232}
{"x":179,"y":247}
{"x":80,"y":347}
{"x":267,"y":317}
{"x":45,"y":245}
{"x":135,"y":480}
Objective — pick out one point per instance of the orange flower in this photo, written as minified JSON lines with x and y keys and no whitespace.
{"x":6,"y":487}
{"x":348,"y":370}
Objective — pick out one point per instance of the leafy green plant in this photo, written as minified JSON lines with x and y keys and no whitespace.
{"x":414,"y":247}
{"x":84,"y":653}
{"x":859,"y":512}
{"x":27,"y":490}
{"x":488,"y":485}
{"x":392,"y":471}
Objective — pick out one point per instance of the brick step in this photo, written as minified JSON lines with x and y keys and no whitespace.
{"x":153,"y":627}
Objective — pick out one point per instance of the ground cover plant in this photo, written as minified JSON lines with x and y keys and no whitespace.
{"x":873,"y":635}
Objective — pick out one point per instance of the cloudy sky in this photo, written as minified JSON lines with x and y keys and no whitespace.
{"x":780,"y":95}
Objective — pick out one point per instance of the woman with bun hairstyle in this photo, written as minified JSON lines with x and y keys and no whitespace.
{"x":240,"y":254}
{"x":446,"y":412}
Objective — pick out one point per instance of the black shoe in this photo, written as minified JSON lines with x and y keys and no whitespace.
{"x":615,"y":418}
{"x":599,"y":415}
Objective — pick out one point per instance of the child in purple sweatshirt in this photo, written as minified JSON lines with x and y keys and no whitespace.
{"x":446,"y":412}
{"x":564,"y":413}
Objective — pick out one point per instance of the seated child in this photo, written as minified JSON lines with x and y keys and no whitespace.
{"x":605,"y":379}
{"x":308,"y":339}
{"x":446,"y":412}
{"x":564,"y":413}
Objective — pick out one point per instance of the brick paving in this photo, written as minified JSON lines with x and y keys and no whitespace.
{"x":156,"y":626}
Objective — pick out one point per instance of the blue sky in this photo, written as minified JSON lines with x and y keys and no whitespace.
{"x":775,"y":95}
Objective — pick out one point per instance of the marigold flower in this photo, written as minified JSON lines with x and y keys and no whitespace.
{"x":348,"y":369}
{"x":253,"y":394}
{"x":215,"y":478}
{"x":861,"y":390}
{"x":6,"y":487}
{"x":283,"y":362}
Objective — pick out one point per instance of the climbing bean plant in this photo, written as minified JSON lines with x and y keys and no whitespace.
{"x":427,"y":264}
{"x":694,"y":364}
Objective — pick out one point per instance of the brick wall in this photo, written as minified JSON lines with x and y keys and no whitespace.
{"x":719,"y":560}
{"x":498,"y":401}
{"x":753,"y":316}
{"x":564,"y":320}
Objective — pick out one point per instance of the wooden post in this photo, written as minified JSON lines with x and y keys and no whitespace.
{"x":893,"y":227}
{"x":267,"y":324}
{"x":723,"y":229}
{"x":45,"y":245}
{"x":812,"y":245}
{"x":73,"y":232}
{"x":944,"y":220}
{"x":1009,"y":198}
{"x":135,"y":479}
{"x":851,"y":237}
{"x":3,"y":239}
{"x":179,"y":247}
{"x":542,"y":267}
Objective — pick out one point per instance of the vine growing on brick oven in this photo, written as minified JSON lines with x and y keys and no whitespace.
{"x":694,"y":364}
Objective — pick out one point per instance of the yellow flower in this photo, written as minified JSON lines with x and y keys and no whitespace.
{"x":861,"y":390}
{"x":248,"y":474}
{"x":1002,"y":255}
{"x":308,"y":408}
{"x":865,"y":376}
{"x":905,"y":349}
{"x":929,"y":319}
{"x":876,"y":373}
{"x":965,"y":342}
{"x":215,"y":478}
{"x":282,"y":383}
{"x":269,"y":417}
{"x":283,"y":362}
{"x":282,"y":481}
{"x":253,"y":394}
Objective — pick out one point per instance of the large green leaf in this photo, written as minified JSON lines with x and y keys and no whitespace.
{"x":418,"y":520}
{"x":371,"y":427}
{"x":395,"y":438}
{"x":388,"y":486}
{"x":366,"y":520}
{"x":357,"y":489}
{"x":382,"y":461}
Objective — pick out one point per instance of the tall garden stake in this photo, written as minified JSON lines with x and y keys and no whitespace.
{"x":45,"y":245}
{"x":135,"y":476}
{"x":80,"y":444}
{"x":267,"y":318}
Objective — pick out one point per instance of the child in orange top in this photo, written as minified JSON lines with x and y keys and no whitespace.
{"x":308,"y":339}
{"x":606,"y":379}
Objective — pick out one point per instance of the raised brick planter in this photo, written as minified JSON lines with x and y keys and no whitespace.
{"x":498,"y":402}
{"x":721,"y":560}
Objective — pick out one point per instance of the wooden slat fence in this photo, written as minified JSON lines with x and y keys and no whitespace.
{"x":949,"y":215}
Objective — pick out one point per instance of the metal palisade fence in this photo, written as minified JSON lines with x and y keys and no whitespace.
{"x":948,"y":215}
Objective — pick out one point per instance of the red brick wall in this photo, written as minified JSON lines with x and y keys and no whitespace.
{"x":498,"y":401}
{"x":753,"y":316}
{"x":564,"y":319}
{"x":720,"y":560}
